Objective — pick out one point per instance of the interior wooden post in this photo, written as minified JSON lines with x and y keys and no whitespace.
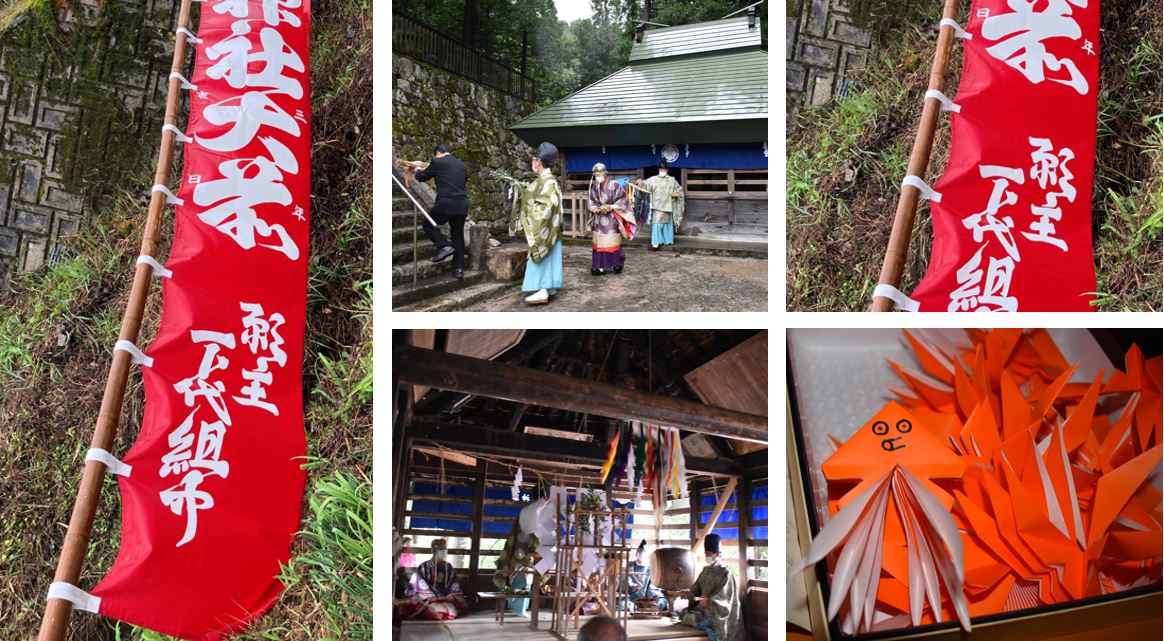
{"x":478,"y":523}
{"x":743,"y":521}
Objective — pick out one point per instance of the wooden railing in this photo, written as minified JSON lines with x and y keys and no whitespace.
{"x":415,"y":39}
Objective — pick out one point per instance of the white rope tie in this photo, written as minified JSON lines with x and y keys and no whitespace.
{"x":186,"y":84}
{"x":947,"y":104}
{"x":112,"y":464}
{"x":178,"y":134}
{"x":919,"y":184}
{"x":959,"y":32}
{"x":170,"y":197}
{"x":159,"y":270}
{"x":136,"y":354}
{"x":80,"y":599}
{"x":901,"y":302}
{"x":190,"y":37}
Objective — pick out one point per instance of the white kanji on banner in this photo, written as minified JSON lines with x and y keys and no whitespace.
{"x":245,"y":185}
{"x":984,"y":290}
{"x":235,"y":57}
{"x":261,"y":335}
{"x":1050,"y":169}
{"x":987,"y":220}
{"x":1021,"y":35}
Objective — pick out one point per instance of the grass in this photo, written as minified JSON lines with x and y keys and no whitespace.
{"x":846,"y":160}
{"x":59,"y":323}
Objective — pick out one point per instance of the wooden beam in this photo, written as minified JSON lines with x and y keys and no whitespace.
{"x":723,"y":499}
{"x":487,"y":440}
{"x":524,"y":385}
{"x":455,"y":457}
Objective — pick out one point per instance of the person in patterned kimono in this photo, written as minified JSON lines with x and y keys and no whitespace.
{"x":434,"y":593}
{"x":716,"y":608}
{"x":611,"y":218}
{"x":666,"y":206}
{"x":538,"y":215}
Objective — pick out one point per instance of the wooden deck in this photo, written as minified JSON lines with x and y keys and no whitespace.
{"x":480,"y":626}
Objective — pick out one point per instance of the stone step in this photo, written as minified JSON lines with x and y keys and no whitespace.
{"x":402,"y":271}
{"x":402,"y":215}
{"x":403,"y":234}
{"x":458,"y":299}
{"x":430,"y":288}
{"x":402,"y":251}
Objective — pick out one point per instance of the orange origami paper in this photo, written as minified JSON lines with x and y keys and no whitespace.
{"x":994,"y":484}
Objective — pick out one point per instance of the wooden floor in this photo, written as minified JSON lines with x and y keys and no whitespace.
{"x":480,"y":626}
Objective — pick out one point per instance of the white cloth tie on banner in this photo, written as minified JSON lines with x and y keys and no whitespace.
{"x":136,"y":354}
{"x":186,"y":84}
{"x":919,"y":184}
{"x":901,"y":302}
{"x":947,"y":104}
{"x":159,"y":270}
{"x":80,"y":599}
{"x":112,"y":464}
{"x":190,"y":37}
{"x":170,"y":197}
{"x":178,"y":134}
{"x":959,"y":32}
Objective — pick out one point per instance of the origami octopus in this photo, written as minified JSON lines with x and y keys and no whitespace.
{"x":994,"y":478}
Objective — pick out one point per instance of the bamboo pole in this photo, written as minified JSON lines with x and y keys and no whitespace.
{"x":919,"y":159}
{"x":57,"y":611}
{"x":719,"y":506}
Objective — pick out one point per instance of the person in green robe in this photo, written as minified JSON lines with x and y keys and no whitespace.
{"x":538,"y":215}
{"x":666,"y":206}
{"x":715,"y":607}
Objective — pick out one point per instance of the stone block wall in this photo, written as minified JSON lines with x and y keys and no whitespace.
{"x":430,"y":106}
{"x":822,"y":44}
{"x":82,"y":96}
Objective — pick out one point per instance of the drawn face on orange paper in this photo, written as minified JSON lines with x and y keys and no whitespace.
{"x":894,"y":436}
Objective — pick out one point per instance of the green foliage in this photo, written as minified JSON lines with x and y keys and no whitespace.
{"x":562,"y":57}
{"x":337,"y":561}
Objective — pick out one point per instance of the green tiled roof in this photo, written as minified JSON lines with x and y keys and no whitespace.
{"x":700,"y":83}
{"x":701,"y":37}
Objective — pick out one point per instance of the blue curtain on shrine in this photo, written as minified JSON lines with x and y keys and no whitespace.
{"x":750,"y":155}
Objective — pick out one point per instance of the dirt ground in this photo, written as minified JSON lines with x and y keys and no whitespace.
{"x":650,"y":282}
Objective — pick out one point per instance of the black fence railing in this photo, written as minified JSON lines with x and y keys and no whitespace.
{"x":420,"y":41}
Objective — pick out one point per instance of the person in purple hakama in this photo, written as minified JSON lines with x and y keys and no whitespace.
{"x":611,"y":219}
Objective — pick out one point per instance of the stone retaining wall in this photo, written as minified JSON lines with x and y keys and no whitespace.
{"x":430,"y":106}
{"x":81,"y":103}
{"x":822,"y":44}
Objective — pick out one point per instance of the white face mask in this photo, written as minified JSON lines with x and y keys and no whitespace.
{"x":440,"y":555}
{"x":662,"y":172}
{"x":599,"y":179}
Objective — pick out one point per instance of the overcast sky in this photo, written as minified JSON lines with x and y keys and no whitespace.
{"x":571,"y":10}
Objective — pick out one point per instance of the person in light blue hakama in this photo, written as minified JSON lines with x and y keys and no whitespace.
{"x":537,"y":215}
{"x":666,"y":207}
{"x":545,"y":274}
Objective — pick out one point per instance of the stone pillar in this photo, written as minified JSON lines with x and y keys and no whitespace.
{"x":478,"y":243}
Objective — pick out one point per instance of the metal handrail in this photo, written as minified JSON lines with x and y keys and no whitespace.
{"x":415,"y":208}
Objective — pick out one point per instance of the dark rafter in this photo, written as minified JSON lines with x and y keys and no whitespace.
{"x":525,"y":385}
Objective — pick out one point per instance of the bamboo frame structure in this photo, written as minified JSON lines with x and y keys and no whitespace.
{"x":603,"y":585}
{"x":919,"y":159}
{"x":57,"y":611}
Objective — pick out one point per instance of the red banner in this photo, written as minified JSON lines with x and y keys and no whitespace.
{"x":213,"y":500}
{"x":1012,"y":228}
